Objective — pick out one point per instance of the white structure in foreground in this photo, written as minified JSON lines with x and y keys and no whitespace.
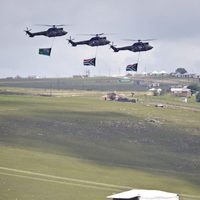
{"x":144,"y":195}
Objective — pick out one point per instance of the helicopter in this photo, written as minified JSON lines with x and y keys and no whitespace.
{"x":136,"y":47}
{"x":53,"y":31}
{"x":97,"y":40}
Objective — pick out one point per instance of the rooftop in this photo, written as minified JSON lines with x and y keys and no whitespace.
{"x":144,"y":194}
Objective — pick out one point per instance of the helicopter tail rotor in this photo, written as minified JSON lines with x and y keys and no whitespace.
{"x":27,"y":31}
{"x":112,"y":44}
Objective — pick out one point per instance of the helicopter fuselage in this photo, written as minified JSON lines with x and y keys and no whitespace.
{"x":51,"y":32}
{"x":93,"y":42}
{"x":98,"y":41}
{"x":136,"y":47}
{"x":141,"y":46}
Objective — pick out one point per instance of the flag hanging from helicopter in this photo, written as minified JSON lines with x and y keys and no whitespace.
{"x":45,"y":51}
{"x":91,"y":61}
{"x":132,"y":67}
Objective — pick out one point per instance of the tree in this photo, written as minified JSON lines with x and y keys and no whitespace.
{"x":195,"y":87}
{"x":181,"y":70}
{"x":198,"y":97}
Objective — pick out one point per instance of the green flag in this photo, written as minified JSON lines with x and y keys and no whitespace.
{"x":45,"y":51}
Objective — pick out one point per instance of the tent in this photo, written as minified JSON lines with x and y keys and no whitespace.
{"x":137,"y":194}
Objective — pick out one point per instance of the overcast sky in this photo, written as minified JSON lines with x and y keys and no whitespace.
{"x":174,"y":23}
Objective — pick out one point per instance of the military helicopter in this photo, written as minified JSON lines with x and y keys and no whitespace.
{"x":97,"y":40}
{"x":136,"y":47}
{"x":54,"y":31}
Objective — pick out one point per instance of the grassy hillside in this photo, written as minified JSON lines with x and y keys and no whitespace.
{"x":136,"y":83}
{"x":116,"y":145}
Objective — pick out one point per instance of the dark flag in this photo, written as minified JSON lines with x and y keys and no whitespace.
{"x":132,"y":67}
{"x":45,"y":51}
{"x":91,"y":61}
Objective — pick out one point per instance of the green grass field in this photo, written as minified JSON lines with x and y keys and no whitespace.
{"x":84,"y":147}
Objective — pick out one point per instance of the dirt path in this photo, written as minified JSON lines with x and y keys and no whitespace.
{"x":59,"y":179}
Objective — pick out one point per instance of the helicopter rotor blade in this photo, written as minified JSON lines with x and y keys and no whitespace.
{"x":53,"y":25}
{"x":84,"y":34}
{"x":43,"y":25}
{"x":148,"y":39}
{"x":95,"y":34}
{"x":100,"y":34}
{"x":105,"y":34}
{"x":139,"y":40}
{"x":130,"y":40}
{"x":57,"y":25}
{"x":91,"y":34}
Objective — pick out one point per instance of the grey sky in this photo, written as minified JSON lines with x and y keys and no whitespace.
{"x":174,"y":23}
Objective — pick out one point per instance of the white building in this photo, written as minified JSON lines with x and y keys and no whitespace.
{"x":181,"y":92}
{"x":137,"y":194}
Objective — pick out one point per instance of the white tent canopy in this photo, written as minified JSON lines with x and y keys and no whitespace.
{"x":163,"y":72}
{"x":145,"y":195}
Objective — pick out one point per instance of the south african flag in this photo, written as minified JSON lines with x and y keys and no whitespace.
{"x":132,"y":67}
{"x":91,"y":61}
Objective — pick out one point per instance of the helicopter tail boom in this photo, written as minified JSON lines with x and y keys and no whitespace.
{"x":30,"y":34}
{"x":27,"y":31}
